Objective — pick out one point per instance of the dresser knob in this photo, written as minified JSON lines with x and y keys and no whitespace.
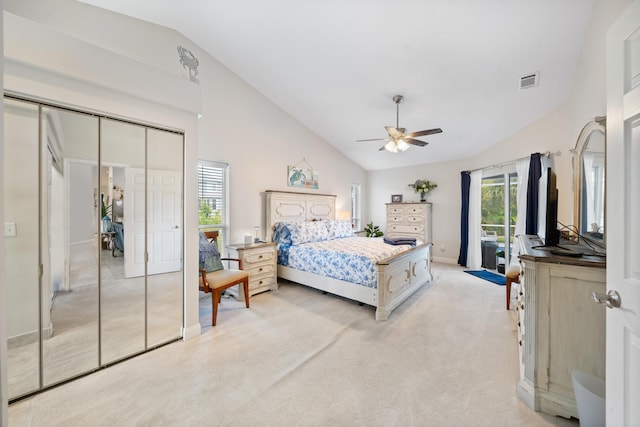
{"x":520,"y":343}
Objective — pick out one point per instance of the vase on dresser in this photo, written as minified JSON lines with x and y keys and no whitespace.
{"x":423,"y":196}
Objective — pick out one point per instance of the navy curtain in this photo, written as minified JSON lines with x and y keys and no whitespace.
{"x":465,"y":185}
{"x":535,"y":172}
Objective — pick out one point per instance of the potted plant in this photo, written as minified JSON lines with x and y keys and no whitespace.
{"x":105,"y":211}
{"x":423,"y":186}
{"x":373,"y":230}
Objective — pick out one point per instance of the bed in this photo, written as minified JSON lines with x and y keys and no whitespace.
{"x":395,"y":277}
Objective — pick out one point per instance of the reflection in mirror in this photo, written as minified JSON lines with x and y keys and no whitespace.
{"x":93,"y":248}
{"x":121,"y":191}
{"x":70,"y":247}
{"x":21,"y":209}
{"x":589,"y":180}
{"x":164,"y":234}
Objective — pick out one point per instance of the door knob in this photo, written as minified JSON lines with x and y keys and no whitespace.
{"x":611,"y":299}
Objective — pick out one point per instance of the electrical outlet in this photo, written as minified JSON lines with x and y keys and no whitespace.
{"x":442,"y":248}
{"x":9,"y":229}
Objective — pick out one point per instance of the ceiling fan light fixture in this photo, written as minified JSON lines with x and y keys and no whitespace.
{"x":391,"y":147}
{"x":396,"y":146}
{"x":402,"y":145}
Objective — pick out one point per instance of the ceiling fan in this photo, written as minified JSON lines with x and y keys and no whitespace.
{"x":398,"y":139}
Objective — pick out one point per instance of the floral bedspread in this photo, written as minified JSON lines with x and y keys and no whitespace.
{"x":352,"y":259}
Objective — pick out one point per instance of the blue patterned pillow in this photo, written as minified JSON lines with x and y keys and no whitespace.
{"x":281,"y":233}
{"x":339,"y":229}
{"x":209,"y":256}
{"x":305,"y":232}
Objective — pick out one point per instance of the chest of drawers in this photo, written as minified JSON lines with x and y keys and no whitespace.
{"x":409,"y":220}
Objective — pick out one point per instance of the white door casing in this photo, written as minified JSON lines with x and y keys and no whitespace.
{"x":623,"y":219}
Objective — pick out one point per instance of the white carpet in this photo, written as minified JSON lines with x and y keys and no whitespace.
{"x":298,"y":357}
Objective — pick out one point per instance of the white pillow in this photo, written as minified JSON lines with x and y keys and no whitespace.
{"x":339,"y":229}
{"x":305,"y":232}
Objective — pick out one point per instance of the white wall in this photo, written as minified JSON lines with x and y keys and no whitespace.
{"x":556,"y":132}
{"x":259,"y":140}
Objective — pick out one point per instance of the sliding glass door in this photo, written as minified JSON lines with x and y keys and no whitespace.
{"x":499,"y":211}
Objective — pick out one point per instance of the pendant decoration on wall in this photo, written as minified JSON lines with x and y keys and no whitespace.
{"x":302,"y":175}
{"x":189,"y":61}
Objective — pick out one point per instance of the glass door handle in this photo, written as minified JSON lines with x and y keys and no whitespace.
{"x":611,"y":299}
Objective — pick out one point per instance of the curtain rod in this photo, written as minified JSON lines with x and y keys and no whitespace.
{"x":510,"y":162}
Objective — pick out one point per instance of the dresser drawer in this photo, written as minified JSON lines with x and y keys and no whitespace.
{"x":399,"y":228}
{"x":395,"y":210}
{"x":395,"y":218}
{"x":419,"y":219}
{"x":415,"y":210}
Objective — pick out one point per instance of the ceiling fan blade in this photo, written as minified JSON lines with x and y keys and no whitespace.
{"x":374,"y":139}
{"x":395,"y":132}
{"x":424,"y":132}
{"x":414,"y":142}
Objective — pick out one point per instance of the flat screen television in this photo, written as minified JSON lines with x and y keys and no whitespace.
{"x":551,"y":233}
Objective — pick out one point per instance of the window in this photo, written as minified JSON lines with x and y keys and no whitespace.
{"x":213,"y":199}
{"x":356,"y":221}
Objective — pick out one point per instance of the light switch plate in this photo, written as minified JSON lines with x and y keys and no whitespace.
{"x":9,"y":229}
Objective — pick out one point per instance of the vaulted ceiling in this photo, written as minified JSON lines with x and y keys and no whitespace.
{"x":335,"y":65}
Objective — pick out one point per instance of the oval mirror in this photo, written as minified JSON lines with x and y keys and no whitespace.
{"x":589,"y":181}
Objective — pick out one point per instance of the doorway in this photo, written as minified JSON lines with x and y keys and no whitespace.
{"x":499,"y":210}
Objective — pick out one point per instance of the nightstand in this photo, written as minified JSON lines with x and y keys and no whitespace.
{"x":260,"y":260}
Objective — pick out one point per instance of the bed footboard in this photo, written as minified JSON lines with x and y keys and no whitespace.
{"x":400,"y":276}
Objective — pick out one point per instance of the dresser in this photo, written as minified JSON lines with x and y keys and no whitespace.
{"x":560,"y":328}
{"x":409,"y":220}
{"x":259,"y":259}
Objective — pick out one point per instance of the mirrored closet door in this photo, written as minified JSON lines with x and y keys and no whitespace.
{"x":93,"y":247}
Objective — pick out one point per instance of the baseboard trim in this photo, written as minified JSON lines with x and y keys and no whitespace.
{"x":191,"y":332}
{"x":445,"y":260}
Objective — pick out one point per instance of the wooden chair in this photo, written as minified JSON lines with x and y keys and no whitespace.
{"x":513,"y":276}
{"x":215,"y":282}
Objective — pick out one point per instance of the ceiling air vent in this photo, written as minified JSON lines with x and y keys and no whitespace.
{"x":529,"y":80}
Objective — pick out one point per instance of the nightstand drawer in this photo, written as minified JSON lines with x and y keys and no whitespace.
{"x":258,"y":270}
{"x":263,"y":281}
{"x":252,"y":257}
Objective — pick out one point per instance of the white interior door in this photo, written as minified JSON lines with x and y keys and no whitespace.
{"x":134,"y":216}
{"x":623,"y":218}
{"x":164,"y":226}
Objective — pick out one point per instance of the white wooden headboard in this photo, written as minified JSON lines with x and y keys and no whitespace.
{"x":292,"y":206}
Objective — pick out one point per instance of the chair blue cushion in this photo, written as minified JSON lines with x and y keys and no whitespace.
{"x":209,"y":256}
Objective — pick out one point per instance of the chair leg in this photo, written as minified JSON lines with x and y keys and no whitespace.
{"x":215,"y":300}
{"x":245,"y":285}
{"x":510,"y":282}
